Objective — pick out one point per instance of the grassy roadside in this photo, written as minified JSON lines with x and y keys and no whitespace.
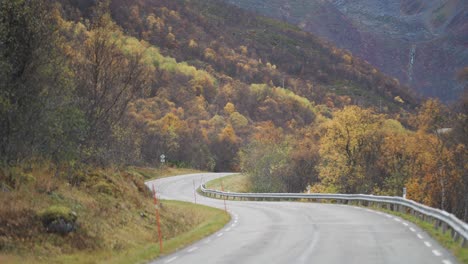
{"x":163,"y":172}
{"x":233,"y":183}
{"x":115,"y":223}
{"x":208,"y":221}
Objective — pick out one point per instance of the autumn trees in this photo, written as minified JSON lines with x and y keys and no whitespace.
{"x":362,"y":152}
{"x":37,"y":115}
{"x":109,"y":75}
{"x":349,"y":148}
{"x":83,"y":90}
{"x":64,"y":87}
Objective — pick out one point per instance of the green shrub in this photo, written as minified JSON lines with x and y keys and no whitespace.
{"x":26,"y":178}
{"x":54,"y":213}
{"x":104,"y":187}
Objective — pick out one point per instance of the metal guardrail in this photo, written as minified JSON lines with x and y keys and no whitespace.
{"x":440,"y":218}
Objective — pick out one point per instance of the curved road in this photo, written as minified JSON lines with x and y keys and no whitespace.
{"x":295,"y":232}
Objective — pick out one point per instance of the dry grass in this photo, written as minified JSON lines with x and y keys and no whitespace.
{"x":116,"y":221}
{"x":162,"y":172}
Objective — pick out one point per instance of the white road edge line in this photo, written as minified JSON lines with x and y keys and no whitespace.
{"x":427,"y":244}
{"x":405,"y":224}
{"x":171,"y":259}
{"x":412,"y":229}
{"x":446,"y":261}
{"x":192,"y":249}
{"x":207,"y":241}
{"x":227,"y":229}
{"x":437,"y":253}
{"x":420,"y":236}
{"x":220,"y":234}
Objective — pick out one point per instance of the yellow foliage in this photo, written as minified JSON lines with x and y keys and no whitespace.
{"x":228,"y":134}
{"x":347,"y":59}
{"x":349,"y":135}
{"x":238,"y":120}
{"x":193,"y":44}
{"x":243,"y":50}
{"x":399,"y":100}
{"x":155,"y":23}
{"x":210,"y":54}
{"x":268,"y":133}
{"x":170,"y":37}
{"x":229,"y":108}
{"x":171,"y":122}
{"x":174,"y":15}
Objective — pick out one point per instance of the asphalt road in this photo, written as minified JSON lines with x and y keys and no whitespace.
{"x":295,"y":232}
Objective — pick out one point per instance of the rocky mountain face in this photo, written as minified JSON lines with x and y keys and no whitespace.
{"x":423,"y":43}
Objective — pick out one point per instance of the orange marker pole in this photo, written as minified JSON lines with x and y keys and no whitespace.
{"x":156,"y":205}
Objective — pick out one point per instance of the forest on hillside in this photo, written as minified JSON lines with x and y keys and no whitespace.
{"x":119,"y":83}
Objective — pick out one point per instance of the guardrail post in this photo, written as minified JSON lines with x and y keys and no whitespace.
{"x":455,"y":235}
{"x":430,"y":219}
{"x":464,"y":243}
{"x":444,"y":227}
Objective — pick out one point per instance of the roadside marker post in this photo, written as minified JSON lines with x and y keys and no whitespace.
{"x":156,"y":206}
{"x":194,"y":191}
{"x":222,"y":189}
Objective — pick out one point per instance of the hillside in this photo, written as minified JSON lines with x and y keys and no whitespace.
{"x":258,"y":50}
{"x":108,"y":218}
{"x":422,"y":43}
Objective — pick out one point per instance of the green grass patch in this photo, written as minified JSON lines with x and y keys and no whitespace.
{"x":444,"y":239}
{"x":233,"y":183}
{"x":157,"y":173}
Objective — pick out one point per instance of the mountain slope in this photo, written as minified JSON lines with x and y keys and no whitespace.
{"x":255,"y":49}
{"x":422,"y":43}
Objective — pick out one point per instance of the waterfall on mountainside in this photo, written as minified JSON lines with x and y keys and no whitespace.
{"x":412,"y":54}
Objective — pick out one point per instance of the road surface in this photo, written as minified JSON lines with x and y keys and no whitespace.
{"x":296,"y":232}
